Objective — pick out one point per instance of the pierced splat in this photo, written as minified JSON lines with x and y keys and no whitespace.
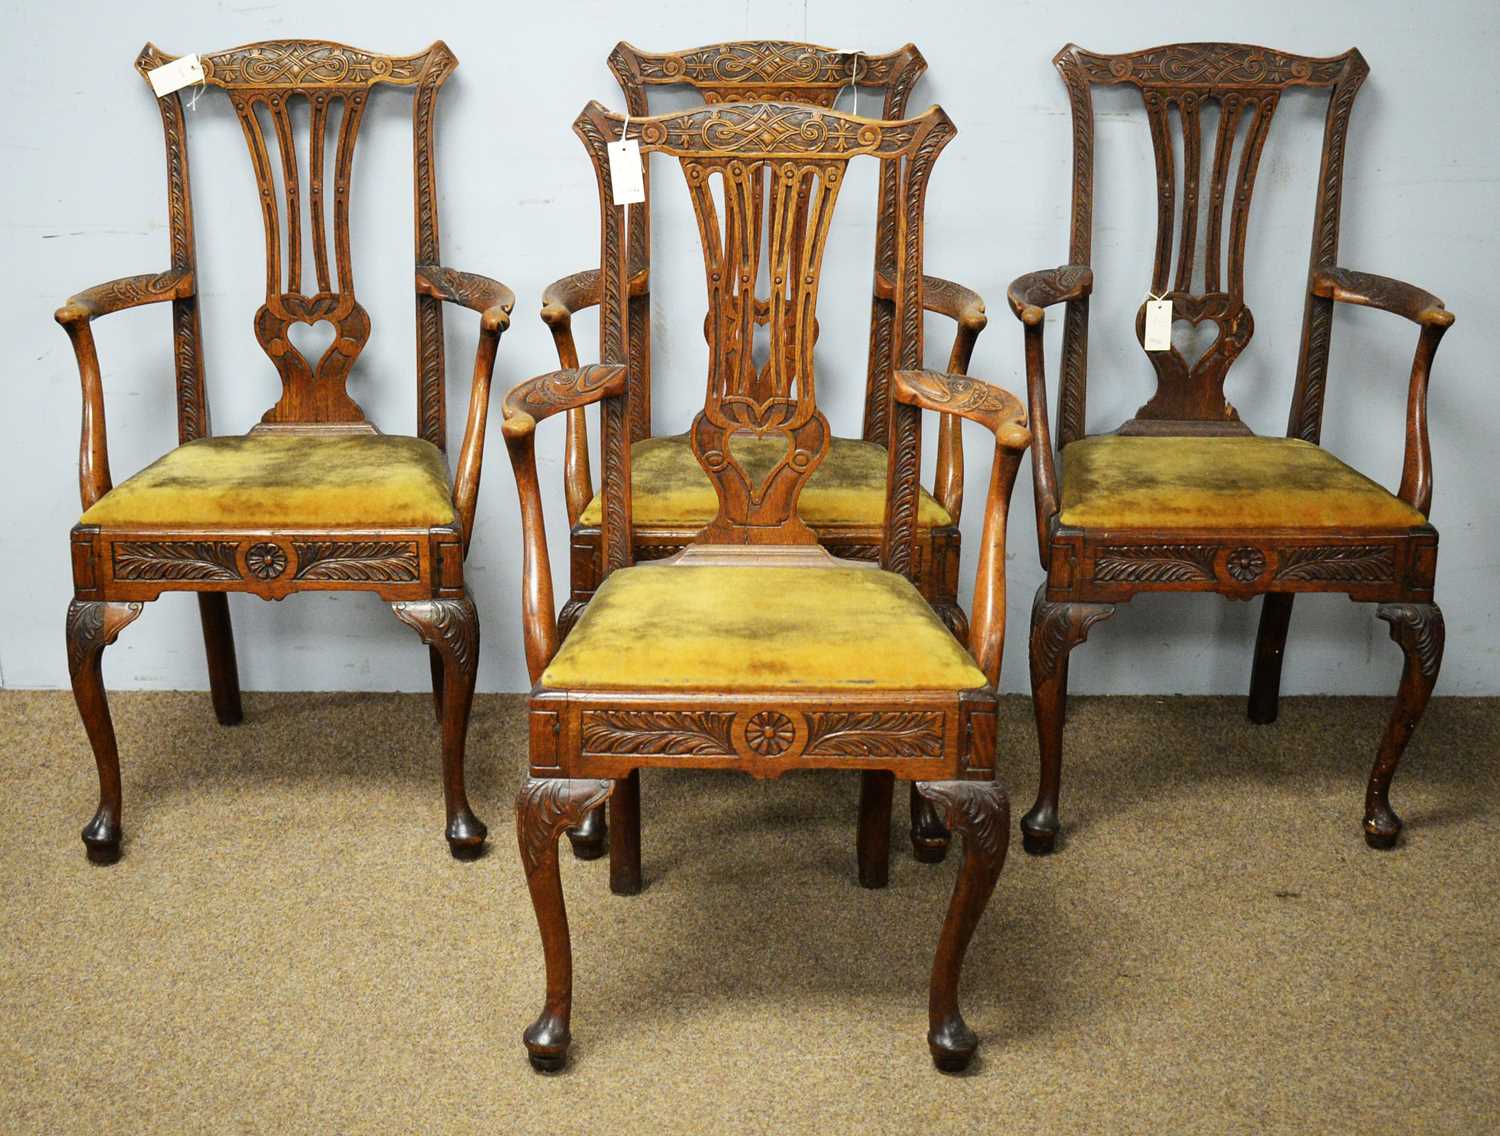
{"x":764,"y":179}
{"x":266,"y":82}
{"x":1212,"y":104}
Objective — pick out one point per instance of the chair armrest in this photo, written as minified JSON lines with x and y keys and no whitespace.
{"x":966,"y":308}
{"x":994,"y":408}
{"x":1028,"y":295}
{"x":523,"y":407}
{"x":1002,"y":413}
{"x":75,"y":316}
{"x":1345,"y":286}
{"x":962,"y":305}
{"x":126,"y":292}
{"x":494,"y":302}
{"x":562,"y":298}
{"x":490,"y":298}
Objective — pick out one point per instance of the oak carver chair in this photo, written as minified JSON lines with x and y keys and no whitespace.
{"x":755,"y":650}
{"x":314,"y":498}
{"x":1183,"y":498}
{"x":845,"y":498}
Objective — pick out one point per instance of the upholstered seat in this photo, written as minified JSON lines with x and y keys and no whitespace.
{"x":736,"y":628}
{"x":1119,"y":482}
{"x":669,"y":487}
{"x":286,"y":480}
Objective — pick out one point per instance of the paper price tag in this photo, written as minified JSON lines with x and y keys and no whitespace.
{"x":169,"y":77}
{"x":1158,"y":325}
{"x":625,"y":172}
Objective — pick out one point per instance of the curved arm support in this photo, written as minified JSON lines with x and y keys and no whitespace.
{"x":1028,"y":295}
{"x":524,"y":406}
{"x":494,"y":302}
{"x":560,"y":300}
{"x":1416,"y":464}
{"x":75,"y":316}
{"x":1000,"y":412}
{"x":1345,"y":286}
{"x":965,"y":307}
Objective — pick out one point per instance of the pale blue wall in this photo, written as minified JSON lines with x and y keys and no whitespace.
{"x":83,"y":202}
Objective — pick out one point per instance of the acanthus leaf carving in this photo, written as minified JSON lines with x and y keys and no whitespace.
{"x":546,"y":806}
{"x":366,"y":561}
{"x":1154,"y":563}
{"x":1362,"y":563}
{"x":658,"y":732}
{"x":175,"y":560}
{"x":878,"y":733}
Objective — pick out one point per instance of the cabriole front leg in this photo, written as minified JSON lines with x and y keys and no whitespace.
{"x":979,"y":813}
{"x":451,"y":629}
{"x":92,"y":626}
{"x":1056,"y":628}
{"x":1418,"y":629}
{"x":544,"y":808}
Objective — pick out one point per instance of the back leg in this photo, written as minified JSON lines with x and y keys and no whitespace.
{"x":929,"y":835}
{"x":223,"y":670}
{"x":92,"y":626}
{"x":1270,"y":648}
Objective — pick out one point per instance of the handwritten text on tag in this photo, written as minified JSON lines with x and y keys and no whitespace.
{"x":169,"y":77}
{"x":1158,"y":325}
{"x":625,"y":172}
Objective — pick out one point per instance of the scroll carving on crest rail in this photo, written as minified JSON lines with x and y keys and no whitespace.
{"x":771,"y":129}
{"x":1212,"y":65}
{"x":300,"y":63}
{"x":777,"y":64}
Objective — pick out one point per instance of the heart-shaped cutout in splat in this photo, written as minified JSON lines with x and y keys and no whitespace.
{"x":312,"y":340}
{"x":1193,"y":339}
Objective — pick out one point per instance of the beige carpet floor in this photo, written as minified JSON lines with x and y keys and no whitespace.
{"x":287,"y":947}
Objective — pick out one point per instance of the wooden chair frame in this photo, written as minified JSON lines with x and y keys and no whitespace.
{"x":419,"y":571}
{"x":757,"y":71}
{"x":754,"y":71}
{"x":588,"y":745}
{"x":1089,"y":571}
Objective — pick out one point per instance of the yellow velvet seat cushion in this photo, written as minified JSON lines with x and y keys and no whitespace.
{"x":286,"y":481}
{"x":1118,"y":482}
{"x":670,"y":490}
{"x":741,"y":628}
